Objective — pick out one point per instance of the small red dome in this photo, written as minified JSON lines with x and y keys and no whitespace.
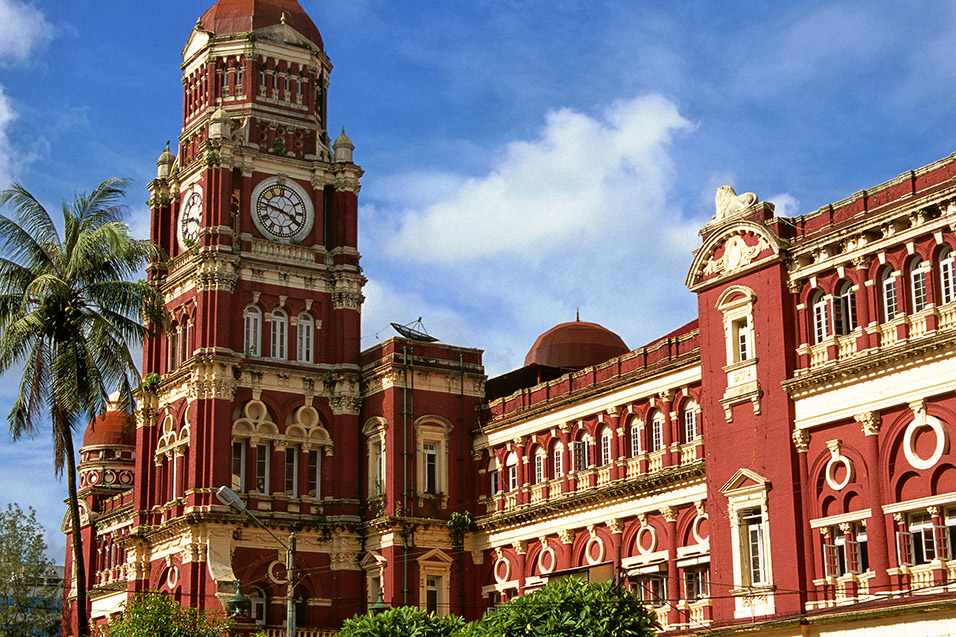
{"x":113,"y":428}
{"x":575,"y":346}
{"x":243,"y":16}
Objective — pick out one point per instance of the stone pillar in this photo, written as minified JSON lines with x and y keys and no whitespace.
{"x":864,"y":308}
{"x":521,"y":496}
{"x":616,"y":527}
{"x":673,"y":579}
{"x":567,"y":546}
{"x":617,"y":449}
{"x":876,"y":540}
{"x":521,"y":551}
{"x":671,"y":456}
{"x":801,"y":441}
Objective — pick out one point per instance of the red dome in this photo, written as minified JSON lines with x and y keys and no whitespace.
{"x":575,"y":346}
{"x":243,"y":16}
{"x":112,"y":428}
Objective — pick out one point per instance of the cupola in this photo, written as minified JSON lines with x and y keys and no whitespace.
{"x":244,"y":16}
{"x":575,"y":345}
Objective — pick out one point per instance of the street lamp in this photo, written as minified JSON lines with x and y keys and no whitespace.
{"x":380,"y":605}
{"x":228,"y":497}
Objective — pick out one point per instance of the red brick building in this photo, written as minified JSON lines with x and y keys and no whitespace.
{"x":779,"y":465}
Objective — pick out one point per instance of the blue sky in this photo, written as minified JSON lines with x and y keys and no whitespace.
{"x":522,"y":158}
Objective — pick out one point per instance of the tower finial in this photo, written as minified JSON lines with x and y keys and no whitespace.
{"x":283,"y":18}
{"x":577,"y":315}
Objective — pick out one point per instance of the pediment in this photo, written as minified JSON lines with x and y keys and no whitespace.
{"x":196,"y":42}
{"x":745,"y":481}
{"x":436,"y":555}
{"x":734,"y":250}
{"x":284,"y":34}
{"x":373,"y":560}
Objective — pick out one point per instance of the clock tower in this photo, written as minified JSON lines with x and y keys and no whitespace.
{"x":256,"y":384}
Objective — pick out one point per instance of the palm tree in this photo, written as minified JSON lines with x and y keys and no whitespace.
{"x":68,"y":315}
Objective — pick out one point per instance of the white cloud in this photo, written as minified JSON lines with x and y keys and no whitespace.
{"x":572,"y":184}
{"x":579,"y":216}
{"x":7,"y":154}
{"x":785,"y":205}
{"x":24,"y":29}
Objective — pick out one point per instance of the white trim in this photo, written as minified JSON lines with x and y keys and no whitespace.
{"x":833,"y":520}
{"x":920,"y":503}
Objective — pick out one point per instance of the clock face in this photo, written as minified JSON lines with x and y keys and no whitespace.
{"x":281,"y":209}
{"x":190,"y":217}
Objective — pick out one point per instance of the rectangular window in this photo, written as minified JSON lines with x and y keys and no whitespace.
{"x":918,"y":283}
{"x":947,"y":279}
{"x":558,"y":462}
{"x":821,"y":320}
{"x":579,"y":455}
{"x":696,"y":583}
{"x":690,"y":425}
{"x":375,"y":469}
{"x":889,"y":298}
{"x":275,"y":80}
{"x":239,"y":78}
{"x":539,"y":461}
{"x":262,"y":78}
{"x":753,"y":546}
{"x":657,"y":433}
{"x":279,"y":340}
{"x":238,"y":467}
{"x":635,"y":440}
{"x":923,"y":536}
{"x":431,"y":595}
{"x":652,"y":590}
{"x":304,"y":331}
{"x":263,"y":462}
{"x":513,"y":477}
{"x":225,"y":80}
{"x":292,"y":471}
{"x":430,"y":467}
{"x":605,"y":449}
{"x":285,"y":86}
{"x":844,"y":312}
{"x":741,"y":334}
{"x":494,"y":483}
{"x":315,"y":474}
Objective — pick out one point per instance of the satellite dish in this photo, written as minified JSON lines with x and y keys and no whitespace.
{"x":414,"y":331}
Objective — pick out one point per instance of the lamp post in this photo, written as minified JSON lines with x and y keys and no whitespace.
{"x":228,"y":497}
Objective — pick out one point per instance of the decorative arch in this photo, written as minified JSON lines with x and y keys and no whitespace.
{"x":739,"y":255}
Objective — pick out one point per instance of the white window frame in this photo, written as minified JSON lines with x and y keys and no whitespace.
{"x":435,"y":565}
{"x":263,"y":467}
{"x":280,"y":335}
{"x":696,"y":583}
{"x":691,"y":421}
{"x":747,"y":504}
{"x":889,"y":295}
{"x":557,"y":462}
{"x":657,"y":431}
{"x":844,"y":309}
{"x":606,"y":447}
{"x":292,"y":482}
{"x":252,"y":331}
{"x":433,"y":430}
{"x":305,"y":336}
{"x":540,"y":462}
{"x":375,"y":433}
{"x":258,"y":606}
{"x":754,"y":545}
{"x":239,"y":479}
{"x":947,"y":276}
{"x":512,"y":472}
{"x":821,"y":318}
{"x":637,"y":445}
{"x":315,"y":473}
{"x":917,"y":272}
{"x":579,"y":455}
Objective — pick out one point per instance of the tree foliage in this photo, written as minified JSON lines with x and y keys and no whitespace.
{"x":29,"y":592}
{"x":406,"y":621}
{"x":68,"y":315}
{"x":568,"y":608}
{"x":155,"y":614}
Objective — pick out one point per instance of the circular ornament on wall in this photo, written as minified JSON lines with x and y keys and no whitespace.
{"x":833,"y":465}
{"x":910,"y":437}
{"x":282,"y":209}
{"x":546,"y":561}
{"x":502,"y":570}
{"x":594,"y":551}
{"x":701,"y":530}
{"x":646,"y":540}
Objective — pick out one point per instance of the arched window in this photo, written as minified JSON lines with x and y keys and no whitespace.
{"x":947,"y":276}
{"x":888,"y":293}
{"x":305,"y":330}
{"x":820,"y":307}
{"x":558,"y":461}
{"x":605,"y":447}
{"x":511,"y":472}
{"x":917,"y":284}
{"x":280,"y":334}
{"x":636,"y":446}
{"x":844,"y":308}
{"x":657,"y":431}
{"x":540,"y":466}
{"x":253,"y":331}
{"x":259,"y":603}
{"x":691,"y":421}
{"x":172,"y":338}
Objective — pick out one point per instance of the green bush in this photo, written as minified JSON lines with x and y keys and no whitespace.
{"x":154,"y":614}
{"x":406,"y":621}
